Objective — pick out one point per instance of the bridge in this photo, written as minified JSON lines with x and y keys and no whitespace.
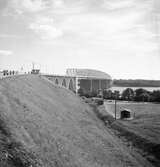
{"x":85,"y":79}
{"x":68,"y":82}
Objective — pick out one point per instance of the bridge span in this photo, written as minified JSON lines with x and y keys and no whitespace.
{"x":68,"y":82}
{"x":85,"y":80}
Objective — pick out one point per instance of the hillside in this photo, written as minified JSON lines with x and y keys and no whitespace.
{"x":43,"y":125}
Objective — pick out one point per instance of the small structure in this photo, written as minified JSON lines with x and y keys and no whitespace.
{"x":126,"y":114}
{"x":35,"y":71}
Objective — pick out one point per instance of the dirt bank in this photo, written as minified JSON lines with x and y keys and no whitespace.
{"x":43,"y":125}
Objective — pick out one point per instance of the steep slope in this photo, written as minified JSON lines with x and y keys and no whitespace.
{"x":43,"y":125}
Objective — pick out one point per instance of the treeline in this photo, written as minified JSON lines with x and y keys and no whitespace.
{"x":136,"y":83}
{"x":139,"y":95}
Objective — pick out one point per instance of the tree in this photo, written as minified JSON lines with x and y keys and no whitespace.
{"x":107,"y":94}
{"x":141,"y":95}
{"x":156,"y":95}
{"x":145,"y":97}
{"x":116,"y":95}
{"x":128,"y":94}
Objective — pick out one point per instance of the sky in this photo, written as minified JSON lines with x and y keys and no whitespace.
{"x":119,"y":37}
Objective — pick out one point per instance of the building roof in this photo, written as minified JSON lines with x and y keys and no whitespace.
{"x":126,"y":109}
{"x":87,"y":73}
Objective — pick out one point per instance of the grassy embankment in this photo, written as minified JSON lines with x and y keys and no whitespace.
{"x":47,"y":126}
{"x":143,"y":131}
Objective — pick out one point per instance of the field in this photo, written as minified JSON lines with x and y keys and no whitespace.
{"x":147,"y":118}
{"x":144,"y":129}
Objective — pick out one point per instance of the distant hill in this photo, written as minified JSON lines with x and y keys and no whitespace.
{"x":136,"y":83}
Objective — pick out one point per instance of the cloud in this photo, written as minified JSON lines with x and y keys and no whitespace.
{"x":45,"y":28}
{"x":5,"y":52}
{"x":31,"y":6}
{"x":58,"y":3}
{"x":22,"y":6}
{"x":104,"y":31}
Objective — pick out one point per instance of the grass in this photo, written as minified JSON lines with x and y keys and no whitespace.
{"x":147,"y":119}
{"x":143,"y":130}
{"x":13,"y":153}
{"x":44,"y":125}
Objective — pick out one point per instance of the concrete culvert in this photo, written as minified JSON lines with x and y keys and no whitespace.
{"x":126,"y":114}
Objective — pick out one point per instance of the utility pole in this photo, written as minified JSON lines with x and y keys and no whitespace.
{"x":116,"y":105}
{"x":115,"y":109}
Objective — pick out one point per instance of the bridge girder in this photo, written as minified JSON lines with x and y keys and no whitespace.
{"x":64,"y":81}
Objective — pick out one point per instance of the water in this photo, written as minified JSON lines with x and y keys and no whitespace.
{"x":121,"y":89}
